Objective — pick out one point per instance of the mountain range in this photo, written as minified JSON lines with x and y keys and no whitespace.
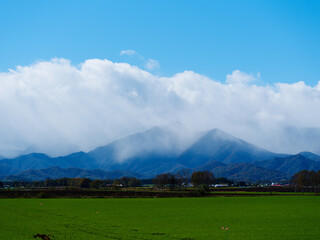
{"x":164,"y":149}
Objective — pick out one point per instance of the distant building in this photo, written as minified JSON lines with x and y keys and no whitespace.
{"x":221,"y":185}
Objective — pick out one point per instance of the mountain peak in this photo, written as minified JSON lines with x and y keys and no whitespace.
{"x":310,"y":155}
{"x":220,"y":134}
{"x":35,"y":155}
{"x":217,"y":145}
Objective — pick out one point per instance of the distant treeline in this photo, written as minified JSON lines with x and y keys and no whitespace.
{"x":179,"y":180}
{"x":196,"y":179}
{"x":78,"y":183}
{"x":163,"y":185}
{"x":161,"y":181}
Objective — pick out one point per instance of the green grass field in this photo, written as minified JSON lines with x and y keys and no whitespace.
{"x":286,"y":217}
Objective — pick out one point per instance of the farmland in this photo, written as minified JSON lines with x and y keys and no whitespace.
{"x":285,"y":217}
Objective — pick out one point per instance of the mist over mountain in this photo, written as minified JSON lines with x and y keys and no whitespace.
{"x":296,"y":139}
{"x":169,"y":149}
{"x":161,"y":143}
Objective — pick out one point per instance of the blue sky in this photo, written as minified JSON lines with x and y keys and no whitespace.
{"x":279,"y":39}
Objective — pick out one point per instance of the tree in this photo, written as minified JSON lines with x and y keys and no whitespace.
{"x":48,"y":182}
{"x":307,"y":178}
{"x":222,"y":180}
{"x":16,"y":184}
{"x":96,"y":183}
{"x":318,"y":181}
{"x":134,"y":182}
{"x":85,"y":183}
{"x":1,"y":184}
{"x":124,"y":181}
{"x":180,"y":180}
{"x":62,"y":181}
{"x":186,"y":175}
{"x":128,"y":182}
{"x":202,"y":177}
{"x":301,"y":178}
{"x":172,"y":181}
{"x":165,"y":179}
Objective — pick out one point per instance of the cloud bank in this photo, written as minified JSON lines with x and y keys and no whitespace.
{"x":57,"y":108}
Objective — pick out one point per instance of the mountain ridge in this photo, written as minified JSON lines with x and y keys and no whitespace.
{"x":168,"y":149}
{"x":56,"y":172}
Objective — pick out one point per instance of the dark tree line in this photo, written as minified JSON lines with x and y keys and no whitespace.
{"x":202,"y":178}
{"x":81,"y":183}
{"x":307,"y":178}
{"x":168,"y":180}
{"x":179,"y":180}
{"x":197,"y":178}
{"x":128,"y":182}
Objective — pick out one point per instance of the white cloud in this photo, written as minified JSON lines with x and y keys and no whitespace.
{"x":152,"y":64}
{"x":56,"y":108}
{"x":128,"y":52}
{"x":240,"y":77}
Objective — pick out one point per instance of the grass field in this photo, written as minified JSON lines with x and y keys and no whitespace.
{"x":226,"y":193}
{"x":286,"y":217}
